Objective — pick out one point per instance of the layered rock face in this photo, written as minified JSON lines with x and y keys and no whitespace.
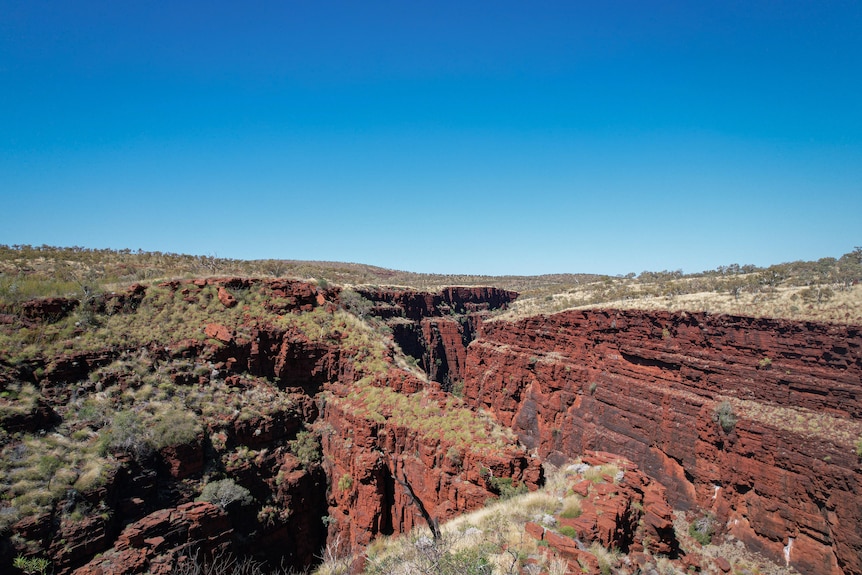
{"x":650,"y":385}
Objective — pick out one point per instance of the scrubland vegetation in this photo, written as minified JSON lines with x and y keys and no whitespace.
{"x":826,"y":290}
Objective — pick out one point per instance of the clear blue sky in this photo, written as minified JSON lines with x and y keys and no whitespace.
{"x":476,"y":137}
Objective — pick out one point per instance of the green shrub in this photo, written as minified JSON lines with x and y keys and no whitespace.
{"x":571,"y":508}
{"x":306,"y":448}
{"x":31,"y":565}
{"x":346,"y":482}
{"x":568,"y":531}
{"x":702,"y":529}
{"x":724,"y":416}
{"x":859,"y":447}
{"x":225,"y":492}
{"x":174,"y":427}
{"x":128,"y":433}
{"x":505,"y":488}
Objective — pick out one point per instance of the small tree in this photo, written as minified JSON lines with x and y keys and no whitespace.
{"x":346,"y":482}
{"x":225,"y":492}
{"x":703,"y":529}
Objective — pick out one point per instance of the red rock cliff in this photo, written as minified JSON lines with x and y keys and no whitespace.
{"x":646,"y":385}
{"x":387,"y":477}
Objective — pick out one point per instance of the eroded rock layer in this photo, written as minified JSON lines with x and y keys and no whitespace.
{"x":779,"y":469}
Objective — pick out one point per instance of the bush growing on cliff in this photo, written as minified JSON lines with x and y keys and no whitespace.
{"x":346,"y":482}
{"x":306,"y":448}
{"x":505,"y":488}
{"x":859,"y":447}
{"x":223,"y":564}
{"x":31,"y":565}
{"x":174,"y":427}
{"x":225,"y":492}
{"x":571,"y":507}
{"x":702,"y":529}
{"x":724,"y":416}
{"x":128,"y":433}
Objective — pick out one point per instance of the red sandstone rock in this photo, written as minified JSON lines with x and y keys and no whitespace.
{"x":437,"y":327}
{"x":376,"y":456}
{"x":644,"y":385}
{"x":48,"y":309}
{"x":183,"y":460}
{"x":534,"y":530}
{"x":652,"y":401}
{"x":41,"y":416}
{"x":226,"y":298}
{"x":219,"y":332}
{"x":124,"y":302}
{"x":562,"y":544}
{"x":154,"y":542}
{"x":75,"y":541}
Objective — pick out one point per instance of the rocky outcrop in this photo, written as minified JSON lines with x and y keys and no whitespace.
{"x":53,"y":309}
{"x":647,"y":385}
{"x":750,"y":419}
{"x":39,"y":417}
{"x":396,"y":476}
{"x":624,"y":510}
{"x":156,"y":542}
{"x":48,"y":309}
{"x":415,"y":305}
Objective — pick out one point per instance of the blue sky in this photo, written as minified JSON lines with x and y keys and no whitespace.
{"x":487,"y":137}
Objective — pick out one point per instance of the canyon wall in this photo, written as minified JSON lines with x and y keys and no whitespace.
{"x":783,"y":477}
{"x":436,"y":328}
{"x":388,"y":478}
{"x":752,"y":420}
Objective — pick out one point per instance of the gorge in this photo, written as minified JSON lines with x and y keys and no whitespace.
{"x":271,"y":368}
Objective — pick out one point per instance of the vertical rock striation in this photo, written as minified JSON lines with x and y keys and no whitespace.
{"x":436,"y":328}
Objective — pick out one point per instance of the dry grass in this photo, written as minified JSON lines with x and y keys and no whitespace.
{"x":812,"y":425}
{"x":493,"y":535}
{"x":37,"y":471}
{"x":844,"y":306}
{"x":450,"y":420}
{"x":820,"y":291}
